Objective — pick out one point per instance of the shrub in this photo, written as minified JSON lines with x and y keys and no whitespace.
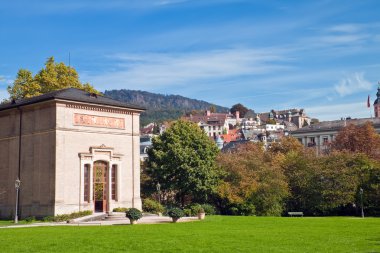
{"x":209,"y":209}
{"x":201,"y":210}
{"x":30,"y":219}
{"x":187,"y":212}
{"x":242,"y":209}
{"x":176,"y":213}
{"x":48,"y":218}
{"x":152,"y":206}
{"x":133,"y":214}
{"x":120,"y":209}
{"x":66,"y":217}
{"x":195,"y":208}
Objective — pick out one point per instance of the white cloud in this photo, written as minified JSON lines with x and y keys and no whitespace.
{"x":346,"y":28}
{"x":151,"y":71}
{"x":336,"y":111}
{"x":353,"y":84}
{"x":3,"y":94}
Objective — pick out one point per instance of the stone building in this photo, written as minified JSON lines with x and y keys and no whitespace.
{"x":296,"y":116}
{"x":72,"y":151}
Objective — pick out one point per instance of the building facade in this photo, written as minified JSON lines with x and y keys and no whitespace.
{"x":72,"y":151}
{"x":321,"y":135}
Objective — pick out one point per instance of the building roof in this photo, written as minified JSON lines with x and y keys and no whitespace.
{"x":233,"y":145}
{"x":215,"y":119}
{"x":336,"y":125}
{"x":70,"y":94}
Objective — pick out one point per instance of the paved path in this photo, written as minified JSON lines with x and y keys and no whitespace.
{"x":143,"y":220}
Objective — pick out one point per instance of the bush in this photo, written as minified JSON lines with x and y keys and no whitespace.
{"x":187,"y":212}
{"x":195,"y":209}
{"x":152,"y":206}
{"x":209,"y":209}
{"x":48,"y":218}
{"x":242,"y":209}
{"x":120,"y":209}
{"x":176,"y":213}
{"x":30,"y":219}
{"x":66,"y":217}
{"x":133,"y":214}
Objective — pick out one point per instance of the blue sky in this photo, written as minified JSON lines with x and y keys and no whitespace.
{"x":323,"y":55}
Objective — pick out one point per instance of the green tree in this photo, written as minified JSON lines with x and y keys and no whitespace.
{"x":182,"y":160}
{"x":320,"y":184}
{"x":54,"y":76}
{"x":240,"y":108}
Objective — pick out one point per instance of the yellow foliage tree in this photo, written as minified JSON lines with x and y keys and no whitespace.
{"x":54,"y":76}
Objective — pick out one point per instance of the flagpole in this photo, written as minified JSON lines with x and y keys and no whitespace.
{"x":369,"y":106}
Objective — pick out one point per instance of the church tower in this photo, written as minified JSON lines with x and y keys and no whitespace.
{"x":376,"y":104}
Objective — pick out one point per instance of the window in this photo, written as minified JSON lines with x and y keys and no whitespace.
{"x":325,"y":140}
{"x":114,"y":182}
{"x":86,"y":185}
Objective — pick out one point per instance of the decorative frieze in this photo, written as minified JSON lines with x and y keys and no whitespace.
{"x":98,"y":109}
{"x":98,"y":121}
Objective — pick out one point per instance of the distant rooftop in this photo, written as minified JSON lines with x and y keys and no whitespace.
{"x":70,"y":94}
{"x":336,"y":125}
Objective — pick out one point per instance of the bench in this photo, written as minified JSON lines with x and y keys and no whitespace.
{"x":291,"y":214}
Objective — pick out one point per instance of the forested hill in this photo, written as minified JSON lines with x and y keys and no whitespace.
{"x":161,"y":107}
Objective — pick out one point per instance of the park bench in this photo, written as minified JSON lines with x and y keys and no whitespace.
{"x":291,"y":214}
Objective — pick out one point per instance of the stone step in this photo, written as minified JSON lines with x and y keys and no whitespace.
{"x":116,"y":218}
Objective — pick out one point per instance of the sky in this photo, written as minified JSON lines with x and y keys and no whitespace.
{"x":323,"y":56}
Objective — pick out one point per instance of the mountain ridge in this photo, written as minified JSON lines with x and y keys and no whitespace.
{"x":161,"y":107}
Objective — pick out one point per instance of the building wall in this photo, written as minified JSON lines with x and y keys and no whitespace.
{"x":37,"y":168}
{"x":52,"y":162}
{"x":73,"y":139}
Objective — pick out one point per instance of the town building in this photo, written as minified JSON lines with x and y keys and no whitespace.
{"x":214,"y":124}
{"x":320,"y":135}
{"x":72,"y":151}
{"x":296,"y":116}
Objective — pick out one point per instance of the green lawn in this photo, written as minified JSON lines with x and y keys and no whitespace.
{"x":10,"y":222}
{"x":215,"y":234}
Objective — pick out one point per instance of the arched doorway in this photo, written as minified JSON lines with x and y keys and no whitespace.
{"x":100,"y":186}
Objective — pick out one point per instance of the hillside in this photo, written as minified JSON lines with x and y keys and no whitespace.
{"x":161,"y":107}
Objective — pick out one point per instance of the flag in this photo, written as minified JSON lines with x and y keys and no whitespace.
{"x":368,"y":102}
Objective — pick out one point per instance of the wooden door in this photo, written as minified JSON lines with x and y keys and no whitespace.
{"x":100,"y":186}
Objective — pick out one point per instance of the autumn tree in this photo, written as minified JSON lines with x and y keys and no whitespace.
{"x":182,"y":160}
{"x":253,"y":183}
{"x":285,"y":145}
{"x":240,"y":108}
{"x":362,"y":139}
{"x":54,"y":76}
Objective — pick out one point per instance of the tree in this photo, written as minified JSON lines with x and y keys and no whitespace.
{"x":363,"y":139}
{"x":271,"y":121}
{"x":240,"y":108}
{"x":182,"y":160}
{"x":54,"y":76}
{"x":286,"y":145}
{"x":320,"y":184}
{"x":253,"y":182}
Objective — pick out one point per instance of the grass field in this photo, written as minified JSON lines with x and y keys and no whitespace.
{"x":215,"y":234}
